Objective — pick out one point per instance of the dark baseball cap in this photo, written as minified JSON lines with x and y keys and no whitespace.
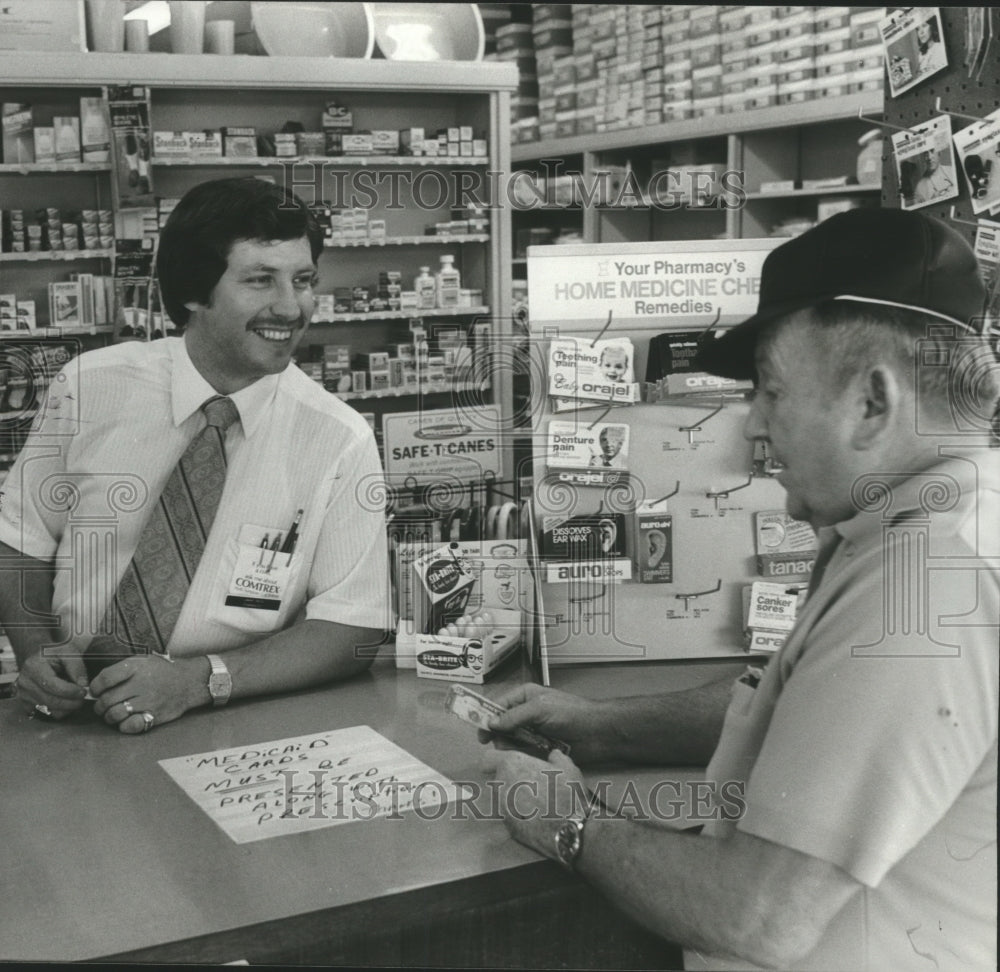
{"x":875,"y":256}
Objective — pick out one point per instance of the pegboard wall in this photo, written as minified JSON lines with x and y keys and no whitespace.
{"x":958,"y":93}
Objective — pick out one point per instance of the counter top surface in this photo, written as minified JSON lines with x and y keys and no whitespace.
{"x":99,"y":837}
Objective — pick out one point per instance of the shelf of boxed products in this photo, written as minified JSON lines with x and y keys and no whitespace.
{"x":734,"y":123}
{"x":405,"y":315}
{"x":89,"y":330}
{"x":51,"y":168}
{"x":43,"y":256}
{"x":361,"y":161}
{"x":421,"y":388}
{"x":428,"y":240}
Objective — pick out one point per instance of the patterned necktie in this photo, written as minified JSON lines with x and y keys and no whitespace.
{"x":152,"y":590}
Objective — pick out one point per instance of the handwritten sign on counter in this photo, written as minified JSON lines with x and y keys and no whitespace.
{"x":306,"y":782}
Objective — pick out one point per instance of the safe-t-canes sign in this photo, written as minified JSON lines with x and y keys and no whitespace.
{"x":440,"y":445}
{"x":288,"y":786}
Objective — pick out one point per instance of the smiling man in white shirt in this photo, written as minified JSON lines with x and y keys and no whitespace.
{"x":266,"y":608}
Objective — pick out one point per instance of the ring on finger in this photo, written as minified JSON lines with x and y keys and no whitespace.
{"x":128,"y":707}
{"x":148,"y":719}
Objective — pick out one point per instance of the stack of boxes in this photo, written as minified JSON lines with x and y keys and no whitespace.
{"x":407,"y":365}
{"x":495,"y":16}
{"x":357,"y":226}
{"x":336,"y":137}
{"x":388,"y":296}
{"x":552,"y":33}
{"x":55,"y":229}
{"x":28,"y":138}
{"x":514,"y":43}
{"x":633,"y":65}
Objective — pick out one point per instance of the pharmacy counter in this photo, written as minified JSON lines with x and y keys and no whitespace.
{"x":105,"y":856}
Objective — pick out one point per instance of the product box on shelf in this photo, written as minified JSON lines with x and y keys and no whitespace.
{"x":45,"y":143}
{"x":171,"y":145}
{"x":95,"y":139}
{"x":357,"y":143}
{"x":785,"y":547}
{"x":42,"y":25}
{"x":27,"y":319}
{"x":286,"y":146}
{"x":65,"y":304}
{"x":832,"y":18}
{"x":411,"y":140}
{"x":239,"y":141}
{"x":8,"y":311}
{"x":337,"y":117}
{"x":307,"y":144}
{"x":465,"y":658}
{"x":864,"y":28}
{"x":769,"y":612}
{"x":206,"y":144}
{"x":66,"y":134}
{"x":502,"y":588}
{"x":385,"y":141}
{"x":18,"y":139}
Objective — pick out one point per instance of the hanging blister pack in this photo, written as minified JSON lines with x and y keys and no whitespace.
{"x":131,"y":139}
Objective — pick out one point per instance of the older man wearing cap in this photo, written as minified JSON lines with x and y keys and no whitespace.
{"x":865,"y":755}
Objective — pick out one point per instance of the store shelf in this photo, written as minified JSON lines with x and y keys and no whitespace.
{"x":45,"y":256}
{"x":57,"y":168}
{"x":56,"y":332}
{"x":409,"y":241}
{"x":406,"y":315}
{"x":782,"y":116}
{"x":425,"y":388}
{"x":360,"y":161}
{"x":61,"y":69}
{"x":196,"y":92}
{"x":851,"y":190}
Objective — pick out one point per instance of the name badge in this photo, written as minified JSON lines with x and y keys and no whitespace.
{"x":260,"y":575}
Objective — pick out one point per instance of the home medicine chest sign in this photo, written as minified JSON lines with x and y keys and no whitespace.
{"x":651,"y":285}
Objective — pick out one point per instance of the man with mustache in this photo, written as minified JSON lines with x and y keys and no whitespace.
{"x":258,"y":606}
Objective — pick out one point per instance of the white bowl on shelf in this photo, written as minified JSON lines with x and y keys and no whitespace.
{"x":289,"y":28}
{"x":429,"y":31}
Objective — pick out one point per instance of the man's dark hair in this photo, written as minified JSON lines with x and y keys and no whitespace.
{"x":194,"y":245}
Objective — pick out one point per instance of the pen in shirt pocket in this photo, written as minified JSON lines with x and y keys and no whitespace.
{"x":292,"y":537}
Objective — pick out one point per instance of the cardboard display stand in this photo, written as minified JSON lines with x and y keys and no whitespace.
{"x":687,"y":456}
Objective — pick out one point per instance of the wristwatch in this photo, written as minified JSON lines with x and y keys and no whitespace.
{"x":569,"y":841}
{"x":220,"y":682}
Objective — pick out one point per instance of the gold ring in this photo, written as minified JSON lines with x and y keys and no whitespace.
{"x":148,"y":718}
{"x":128,"y":707}
{"x":43,"y":710}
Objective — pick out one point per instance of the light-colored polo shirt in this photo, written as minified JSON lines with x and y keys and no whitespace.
{"x":871,"y":739}
{"x":113,"y":427}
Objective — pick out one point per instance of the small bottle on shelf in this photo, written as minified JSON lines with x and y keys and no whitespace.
{"x":449,"y":281}
{"x":426,"y":289}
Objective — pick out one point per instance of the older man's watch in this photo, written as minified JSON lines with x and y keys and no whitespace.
{"x":220,"y":682}
{"x":569,"y":841}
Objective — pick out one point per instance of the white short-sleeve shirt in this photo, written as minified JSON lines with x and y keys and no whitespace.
{"x":113,"y":426}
